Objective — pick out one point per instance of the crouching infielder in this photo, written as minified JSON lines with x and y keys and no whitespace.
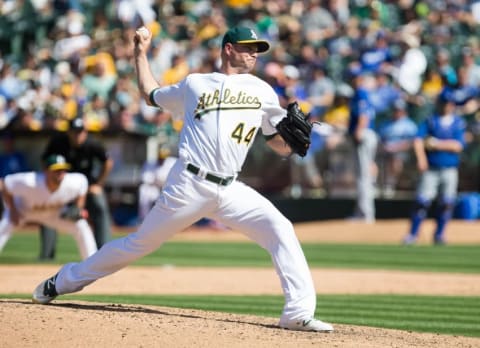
{"x":51,"y":197}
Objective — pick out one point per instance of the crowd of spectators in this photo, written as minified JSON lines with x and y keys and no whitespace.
{"x":60,"y":59}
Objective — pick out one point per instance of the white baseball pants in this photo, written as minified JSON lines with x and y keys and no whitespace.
{"x":80,"y":230}
{"x":185,"y":199}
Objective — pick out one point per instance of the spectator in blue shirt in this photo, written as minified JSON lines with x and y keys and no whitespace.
{"x":438,"y":145}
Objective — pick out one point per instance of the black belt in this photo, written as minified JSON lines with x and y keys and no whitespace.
{"x":210,"y":177}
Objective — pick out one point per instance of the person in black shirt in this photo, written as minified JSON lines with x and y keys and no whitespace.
{"x":89,"y":157}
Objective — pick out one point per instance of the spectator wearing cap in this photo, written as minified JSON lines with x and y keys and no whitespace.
{"x":438,"y":144}
{"x":396,"y":139}
{"x":89,"y":157}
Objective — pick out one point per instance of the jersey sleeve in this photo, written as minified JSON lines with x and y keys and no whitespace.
{"x":16,"y":183}
{"x":273,"y":112}
{"x":82,"y":182}
{"x":9,"y":183}
{"x":171,"y":98}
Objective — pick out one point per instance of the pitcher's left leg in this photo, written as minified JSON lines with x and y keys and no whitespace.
{"x":245,"y":209}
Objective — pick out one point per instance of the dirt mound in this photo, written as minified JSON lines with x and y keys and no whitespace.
{"x":81,"y":324}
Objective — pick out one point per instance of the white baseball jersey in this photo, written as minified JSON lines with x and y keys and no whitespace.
{"x":31,"y":194}
{"x":222,"y":114}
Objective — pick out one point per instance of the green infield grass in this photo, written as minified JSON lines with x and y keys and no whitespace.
{"x":23,"y":248}
{"x":451,"y":315}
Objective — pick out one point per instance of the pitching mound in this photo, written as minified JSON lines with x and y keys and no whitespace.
{"x":81,"y":324}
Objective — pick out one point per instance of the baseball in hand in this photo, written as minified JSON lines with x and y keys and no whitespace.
{"x":144,"y":32}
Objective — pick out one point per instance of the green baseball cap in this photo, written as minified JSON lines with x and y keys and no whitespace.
{"x":244,"y":35}
{"x":56,"y":162}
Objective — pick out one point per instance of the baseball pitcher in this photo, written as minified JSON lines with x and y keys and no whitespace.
{"x":222,"y":113}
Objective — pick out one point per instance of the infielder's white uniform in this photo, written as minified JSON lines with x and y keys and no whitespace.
{"x":222,"y":114}
{"x":37,"y":204}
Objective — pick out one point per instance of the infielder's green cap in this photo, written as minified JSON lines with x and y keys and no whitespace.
{"x":56,"y":162}
{"x":244,"y":35}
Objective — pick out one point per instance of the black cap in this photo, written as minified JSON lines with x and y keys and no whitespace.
{"x":77,"y":124}
{"x":244,"y":35}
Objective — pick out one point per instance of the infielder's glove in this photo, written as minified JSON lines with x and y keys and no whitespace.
{"x":72,"y":212}
{"x":295,"y":129}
